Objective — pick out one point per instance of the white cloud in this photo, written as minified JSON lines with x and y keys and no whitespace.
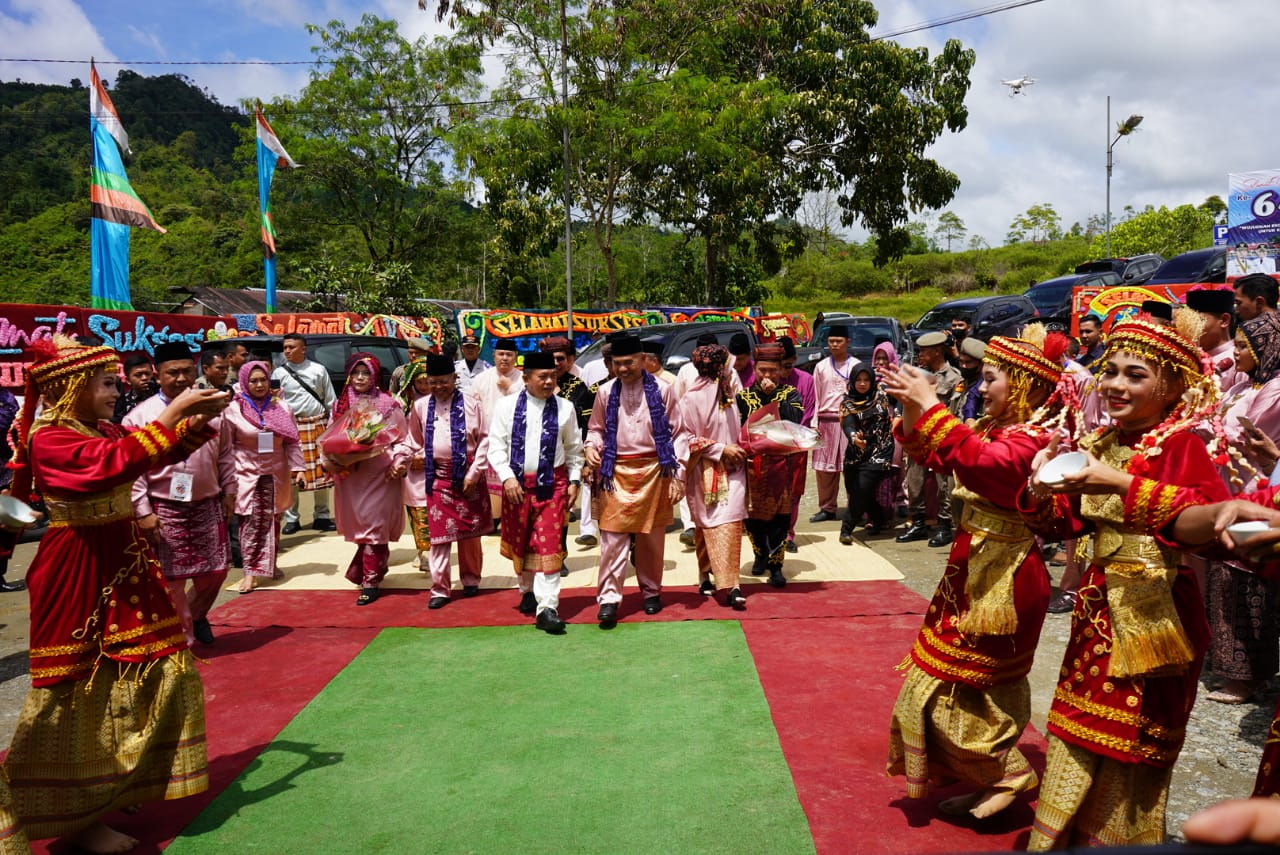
{"x":49,"y":29}
{"x":148,"y":39}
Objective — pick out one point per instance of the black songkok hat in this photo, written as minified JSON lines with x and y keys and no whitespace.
{"x":539,"y":360}
{"x":172,"y":351}
{"x":624,"y":344}
{"x":439,"y":365}
{"x":505,"y":344}
{"x":653,"y":345}
{"x":706,"y":339}
{"x":1215,"y":301}
{"x":838,"y":331}
{"x":1158,"y":309}
{"x":739,"y":344}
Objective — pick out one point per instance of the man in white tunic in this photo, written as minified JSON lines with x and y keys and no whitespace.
{"x":830,"y":382}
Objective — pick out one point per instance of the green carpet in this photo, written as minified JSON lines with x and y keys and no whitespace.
{"x":650,"y":738}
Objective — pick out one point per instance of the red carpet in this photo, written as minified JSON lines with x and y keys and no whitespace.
{"x":832,"y":718}
{"x":401,"y":607}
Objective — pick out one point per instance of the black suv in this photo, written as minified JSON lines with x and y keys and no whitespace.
{"x":1052,"y":297}
{"x":987,"y":316}
{"x":678,"y":340}
{"x":332,"y":351}
{"x":1133,"y":271}
{"x":1199,"y":265}
{"x":865,"y":332}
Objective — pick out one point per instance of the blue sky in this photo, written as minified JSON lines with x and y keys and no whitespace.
{"x":1197,"y":71}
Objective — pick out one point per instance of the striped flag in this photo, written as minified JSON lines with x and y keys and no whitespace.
{"x":271,"y":154}
{"x":114,"y":206}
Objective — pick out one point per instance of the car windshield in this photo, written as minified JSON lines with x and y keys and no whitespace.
{"x":1183,"y":268}
{"x":1047,"y":298}
{"x":862,"y":336}
{"x":941,"y":317}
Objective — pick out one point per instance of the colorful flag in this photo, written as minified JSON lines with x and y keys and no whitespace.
{"x":271,"y":154}
{"x":114,"y":207}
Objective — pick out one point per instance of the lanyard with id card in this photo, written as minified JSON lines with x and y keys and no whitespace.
{"x":180,"y":487}
{"x":266,"y":442}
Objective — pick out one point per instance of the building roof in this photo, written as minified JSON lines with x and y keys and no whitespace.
{"x":200,"y":300}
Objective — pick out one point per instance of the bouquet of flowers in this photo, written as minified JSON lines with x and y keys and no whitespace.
{"x":362,"y":432}
{"x":767,"y":433}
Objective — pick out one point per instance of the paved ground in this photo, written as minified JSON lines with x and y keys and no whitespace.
{"x":1219,"y":760}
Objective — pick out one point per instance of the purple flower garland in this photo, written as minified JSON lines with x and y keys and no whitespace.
{"x":457,"y":442}
{"x":546,"y":443}
{"x":661,"y":431}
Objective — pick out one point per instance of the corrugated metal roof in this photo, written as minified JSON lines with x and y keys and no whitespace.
{"x":246,"y":301}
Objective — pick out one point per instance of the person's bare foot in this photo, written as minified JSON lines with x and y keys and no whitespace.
{"x":1233,"y":692}
{"x":959,"y":805}
{"x":101,"y":839}
{"x":246,"y":585}
{"x":991,"y":802}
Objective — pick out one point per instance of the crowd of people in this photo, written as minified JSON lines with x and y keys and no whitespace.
{"x":157,"y":476}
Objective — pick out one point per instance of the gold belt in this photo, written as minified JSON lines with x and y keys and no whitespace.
{"x":995,"y":524}
{"x":1128,"y":549}
{"x":95,"y":509}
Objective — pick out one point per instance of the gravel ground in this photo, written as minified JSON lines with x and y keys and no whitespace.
{"x":1219,"y":760}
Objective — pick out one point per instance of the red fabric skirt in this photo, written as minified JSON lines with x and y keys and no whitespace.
{"x":451,"y":515}
{"x":531,"y":529}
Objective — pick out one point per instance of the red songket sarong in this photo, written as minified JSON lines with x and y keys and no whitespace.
{"x":96,"y":588}
{"x":451,"y":515}
{"x":531,"y":529}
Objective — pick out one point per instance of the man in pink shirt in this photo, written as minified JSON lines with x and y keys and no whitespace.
{"x":182,"y":508}
{"x":830,"y":381}
{"x":631,"y":444}
{"x":1217,"y":306}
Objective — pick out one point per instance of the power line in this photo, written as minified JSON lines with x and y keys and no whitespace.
{"x":955,"y":19}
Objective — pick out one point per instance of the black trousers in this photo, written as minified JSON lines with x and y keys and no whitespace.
{"x":861,"y":484}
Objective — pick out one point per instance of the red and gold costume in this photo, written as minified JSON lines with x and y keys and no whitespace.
{"x":966,"y":698}
{"x":1138,"y":632}
{"x":115,"y":716}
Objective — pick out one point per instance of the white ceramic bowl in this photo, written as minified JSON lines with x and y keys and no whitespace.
{"x":1059,"y":467}
{"x":1243,"y":531}
{"x":15,"y":515}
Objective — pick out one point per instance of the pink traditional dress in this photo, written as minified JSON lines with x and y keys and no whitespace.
{"x":366,"y":499}
{"x":267,"y":452}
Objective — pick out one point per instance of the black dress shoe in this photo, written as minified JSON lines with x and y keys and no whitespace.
{"x":792,"y":548}
{"x":550,"y":622}
{"x":291,"y":528}
{"x":942,"y":536}
{"x":10,"y":587}
{"x":586,"y":540}
{"x":528,"y":603}
{"x":324,"y":525}
{"x":822,"y":516}
{"x":470,"y":590}
{"x":917,"y":531}
{"x":758,"y":569}
{"x":202,"y":631}
{"x":564,"y":571}
{"x":438,"y":602}
{"x":367,"y":596}
{"x":707,"y":588}
{"x":652,"y":605}
{"x":608,"y":616}
{"x":777,"y":580}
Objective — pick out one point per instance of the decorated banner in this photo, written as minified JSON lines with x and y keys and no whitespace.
{"x":1253,"y":223}
{"x":1120,"y":302}
{"x":114,"y":207}
{"x":271,"y":155}
{"x":340,"y":323}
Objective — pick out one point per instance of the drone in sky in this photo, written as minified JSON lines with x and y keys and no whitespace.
{"x":1018,"y":85}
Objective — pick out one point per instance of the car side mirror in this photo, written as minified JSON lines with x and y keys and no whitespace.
{"x":675,"y":363}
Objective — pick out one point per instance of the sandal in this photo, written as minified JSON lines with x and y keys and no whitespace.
{"x":367,"y":596}
{"x":736,"y":600}
{"x":707,"y":588}
{"x":1233,"y":692}
{"x":249,"y":590}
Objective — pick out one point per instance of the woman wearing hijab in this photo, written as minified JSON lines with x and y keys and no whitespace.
{"x":866,"y":421}
{"x":1245,"y":651}
{"x":367,"y":492}
{"x":115,"y":714}
{"x":716,"y":476}
{"x":268,"y":460}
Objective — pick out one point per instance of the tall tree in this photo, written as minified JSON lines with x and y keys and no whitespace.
{"x":1038,"y":224}
{"x":371,"y":131}
{"x":1163,"y":230}
{"x":950,"y":228}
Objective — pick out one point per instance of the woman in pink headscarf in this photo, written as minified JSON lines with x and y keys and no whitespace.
{"x":367,"y":491}
{"x":267,"y":458}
